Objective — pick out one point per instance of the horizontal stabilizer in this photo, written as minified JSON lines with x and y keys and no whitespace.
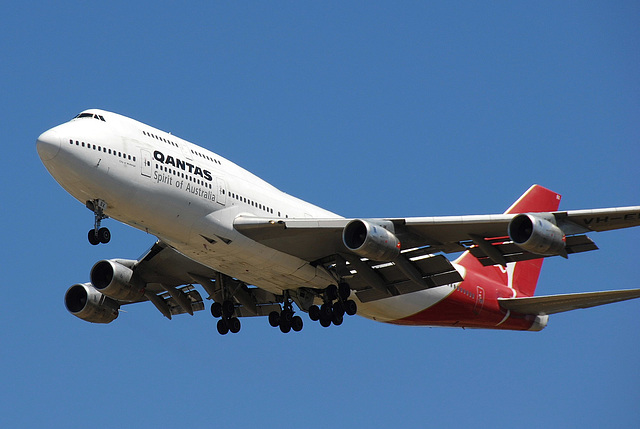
{"x":559,"y":303}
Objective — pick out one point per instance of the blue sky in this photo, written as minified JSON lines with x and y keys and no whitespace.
{"x":366,"y":109}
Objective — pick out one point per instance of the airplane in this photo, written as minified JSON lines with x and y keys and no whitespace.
{"x":257,"y":251}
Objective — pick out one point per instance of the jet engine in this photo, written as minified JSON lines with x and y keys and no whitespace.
{"x":372,"y":241}
{"x":116,"y":280}
{"x":538,"y":235}
{"x":84,"y":301}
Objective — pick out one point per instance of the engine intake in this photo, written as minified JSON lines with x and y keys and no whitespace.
{"x":372,"y":241}
{"x":84,"y":301}
{"x":115,"y":280}
{"x":536,"y":234}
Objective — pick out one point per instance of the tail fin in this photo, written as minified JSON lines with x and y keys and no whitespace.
{"x":520,"y":276}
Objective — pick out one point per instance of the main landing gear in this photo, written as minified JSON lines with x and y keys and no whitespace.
{"x":227,"y":323}
{"x":98,"y":235}
{"x":333,"y":312}
{"x":286,"y":320}
{"x":328,"y":313}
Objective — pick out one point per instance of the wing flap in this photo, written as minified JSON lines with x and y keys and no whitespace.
{"x":514,"y":253}
{"x":432,"y":271}
{"x":559,"y":303}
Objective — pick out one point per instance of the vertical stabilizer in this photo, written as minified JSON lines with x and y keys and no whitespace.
{"x":522,"y":277}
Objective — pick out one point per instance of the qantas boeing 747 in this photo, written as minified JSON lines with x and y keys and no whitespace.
{"x":257,"y":251}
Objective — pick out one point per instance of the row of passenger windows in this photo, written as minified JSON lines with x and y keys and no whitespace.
{"x":253,"y":203}
{"x":205,"y":157}
{"x":103,"y":149}
{"x":181,"y":174}
{"x":162,"y":139}
{"x":172,"y":143}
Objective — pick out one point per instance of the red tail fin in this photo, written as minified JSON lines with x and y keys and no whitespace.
{"x":521,"y":276}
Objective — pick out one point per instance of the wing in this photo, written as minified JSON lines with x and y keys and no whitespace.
{"x":320,"y":242}
{"x":314,"y":239}
{"x":169,"y":276}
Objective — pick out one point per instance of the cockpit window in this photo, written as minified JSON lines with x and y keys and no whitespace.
{"x":90,"y":115}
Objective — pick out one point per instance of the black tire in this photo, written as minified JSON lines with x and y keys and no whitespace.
{"x":104,"y":235}
{"x":344,"y":291}
{"x":92,"y":237}
{"x":337,"y":319}
{"x":216,"y":310}
{"x":338,"y":309}
{"x":285,"y":327}
{"x":297,"y":323}
{"x":326,"y":311}
{"x":234,"y":325}
{"x":350,"y":307}
{"x":286,"y":316}
{"x":228,"y":308}
{"x":325,"y":321}
{"x":223,"y":327}
{"x":274,"y":319}
{"x":314,"y":313}
{"x":332,"y":292}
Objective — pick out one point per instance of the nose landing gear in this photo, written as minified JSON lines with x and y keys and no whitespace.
{"x":98,"y":235}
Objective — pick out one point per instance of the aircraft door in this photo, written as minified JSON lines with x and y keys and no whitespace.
{"x":221,"y":198}
{"x":145,"y":165}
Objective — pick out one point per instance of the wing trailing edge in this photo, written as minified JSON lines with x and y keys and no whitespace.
{"x":559,"y":303}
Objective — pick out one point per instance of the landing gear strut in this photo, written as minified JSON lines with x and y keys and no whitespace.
{"x":98,"y":235}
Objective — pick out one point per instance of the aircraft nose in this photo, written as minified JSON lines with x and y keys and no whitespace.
{"x":48,"y":145}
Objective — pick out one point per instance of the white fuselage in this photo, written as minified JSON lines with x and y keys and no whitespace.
{"x":189,"y":197}
{"x":185,"y":195}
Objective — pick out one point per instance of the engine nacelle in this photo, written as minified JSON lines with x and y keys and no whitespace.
{"x":85,"y":302}
{"x":371,"y":241}
{"x":536,"y":234}
{"x":115,"y":280}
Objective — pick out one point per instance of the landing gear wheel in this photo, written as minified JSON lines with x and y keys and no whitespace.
{"x":350,"y":307}
{"x":234,"y":325}
{"x":104,"y":235}
{"x":286,"y":316}
{"x":228,"y":308}
{"x":325,"y":321}
{"x":285,"y":327}
{"x":296,"y":323}
{"x":326,"y":311}
{"x":314,"y":313}
{"x":344,"y":291}
{"x":216,"y":310}
{"x":223,"y":327}
{"x":338,"y":309}
{"x":337,"y":319}
{"x":92,"y":237}
{"x":274,"y":319}
{"x":331,"y":292}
